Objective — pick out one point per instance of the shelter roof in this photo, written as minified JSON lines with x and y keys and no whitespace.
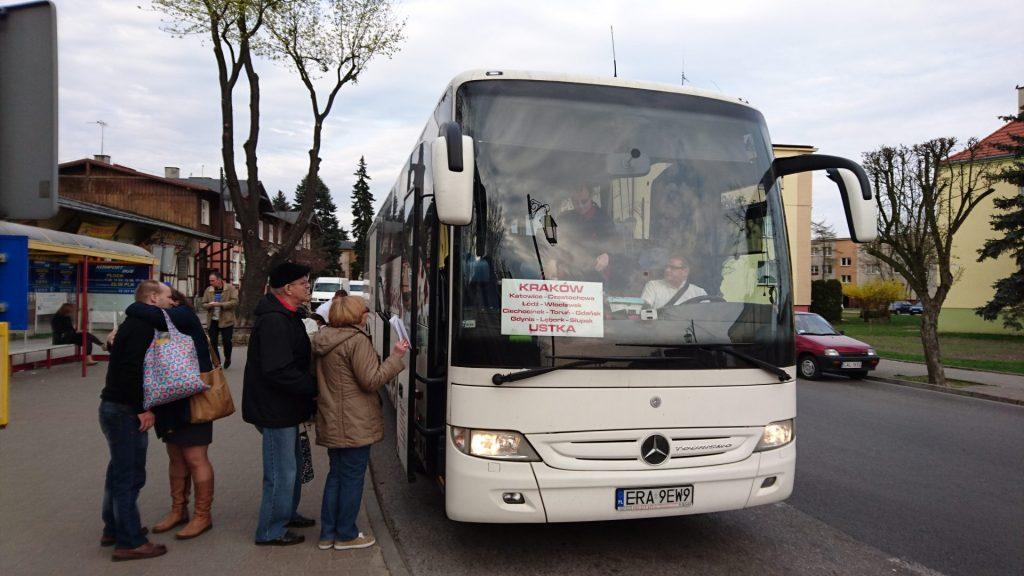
{"x":77,"y":244}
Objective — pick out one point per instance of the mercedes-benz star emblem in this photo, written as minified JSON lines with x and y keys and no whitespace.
{"x":654,"y":449}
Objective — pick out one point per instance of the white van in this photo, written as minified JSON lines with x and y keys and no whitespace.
{"x":325,"y":287}
{"x":358,"y":288}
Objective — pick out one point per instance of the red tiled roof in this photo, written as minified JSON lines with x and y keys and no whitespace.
{"x":987,"y":147}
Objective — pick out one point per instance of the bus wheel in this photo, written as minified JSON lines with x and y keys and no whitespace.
{"x":809,"y":367}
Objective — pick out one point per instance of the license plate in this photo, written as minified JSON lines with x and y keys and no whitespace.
{"x":851,"y":364}
{"x":653,"y":498}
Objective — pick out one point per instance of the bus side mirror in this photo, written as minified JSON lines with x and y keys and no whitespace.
{"x":854,"y":188}
{"x":452,"y":160}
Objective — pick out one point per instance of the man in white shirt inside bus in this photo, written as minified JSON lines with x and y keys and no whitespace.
{"x":674,"y":288}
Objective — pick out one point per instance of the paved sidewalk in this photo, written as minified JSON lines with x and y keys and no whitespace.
{"x":991,"y":385}
{"x":52,"y":462}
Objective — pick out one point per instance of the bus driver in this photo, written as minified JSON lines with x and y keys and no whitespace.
{"x":674,"y":288}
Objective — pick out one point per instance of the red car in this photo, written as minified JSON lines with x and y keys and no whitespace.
{"x":820,"y":348}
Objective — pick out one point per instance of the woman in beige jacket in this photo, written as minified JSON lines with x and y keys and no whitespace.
{"x":349,"y":418}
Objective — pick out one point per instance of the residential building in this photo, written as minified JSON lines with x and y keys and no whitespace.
{"x":973,"y":287}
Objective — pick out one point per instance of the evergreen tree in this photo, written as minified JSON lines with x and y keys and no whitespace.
{"x":1008,"y":300}
{"x":331,"y":231}
{"x":362,"y":215}
{"x":280,"y":202}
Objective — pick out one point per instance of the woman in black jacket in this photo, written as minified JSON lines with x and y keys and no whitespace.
{"x":62,"y":325}
{"x":186,"y":443}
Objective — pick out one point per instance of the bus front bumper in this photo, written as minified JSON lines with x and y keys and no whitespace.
{"x":480,"y":490}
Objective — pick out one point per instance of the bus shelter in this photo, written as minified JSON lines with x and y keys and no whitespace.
{"x":98,"y":276}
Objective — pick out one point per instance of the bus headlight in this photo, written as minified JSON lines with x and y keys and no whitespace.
{"x":776,"y":435}
{"x":495,"y":444}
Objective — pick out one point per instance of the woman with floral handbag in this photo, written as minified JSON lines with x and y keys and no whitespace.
{"x":187,"y":444}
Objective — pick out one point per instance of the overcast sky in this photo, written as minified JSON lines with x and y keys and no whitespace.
{"x":845,"y":77}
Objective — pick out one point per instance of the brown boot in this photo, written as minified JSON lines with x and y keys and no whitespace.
{"x":201,"y":520}
{"x":179,"y":505}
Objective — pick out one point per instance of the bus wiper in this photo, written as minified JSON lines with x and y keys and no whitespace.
{"x":499,"y":379}
{"x":577,"y":361}
{"x":729,"y":349}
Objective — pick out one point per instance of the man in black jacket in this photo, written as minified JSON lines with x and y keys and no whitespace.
{"x":125,"y":425}
{"x":279,"y":394}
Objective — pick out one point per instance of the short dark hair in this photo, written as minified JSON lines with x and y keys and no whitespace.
{"x":180,"y":299}
{"x":216,"y":274}
{"x":340,"y":293}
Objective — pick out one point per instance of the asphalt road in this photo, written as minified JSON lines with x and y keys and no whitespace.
{"x":932,"y":477}
{"x":890,"y":480}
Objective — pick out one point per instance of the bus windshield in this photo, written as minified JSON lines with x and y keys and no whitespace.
{"x":614,"y":222}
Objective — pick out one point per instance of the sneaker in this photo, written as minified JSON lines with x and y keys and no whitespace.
{"x":360,"y":541}
{"x":325,"y":544}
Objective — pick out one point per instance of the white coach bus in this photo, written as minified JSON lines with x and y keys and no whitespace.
{"x":596,"y":278}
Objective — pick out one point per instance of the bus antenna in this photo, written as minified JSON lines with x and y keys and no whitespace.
{"x":615,"y":64}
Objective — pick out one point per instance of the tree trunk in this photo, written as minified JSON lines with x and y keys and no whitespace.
{"x":930,"y":340}
{"x":254,"y":281}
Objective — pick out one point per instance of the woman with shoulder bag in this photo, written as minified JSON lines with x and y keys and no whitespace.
{"x":187,"y":443}
{"x":349,"y":417}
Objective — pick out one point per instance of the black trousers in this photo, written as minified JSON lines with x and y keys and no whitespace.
{"x":76,"y":338}
{"x":225,"y":335}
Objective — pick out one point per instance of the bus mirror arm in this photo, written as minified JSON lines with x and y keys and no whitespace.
{"x":854,"y":189}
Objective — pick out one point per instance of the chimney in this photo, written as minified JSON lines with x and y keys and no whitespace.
{"x":172,"y":172}
{"x":1020,"y":99}
{"x":102,"y":158}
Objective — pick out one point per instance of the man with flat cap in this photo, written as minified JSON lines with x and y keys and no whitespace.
{"x":279,"y":395}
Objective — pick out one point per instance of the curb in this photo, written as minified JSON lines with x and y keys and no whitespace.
{"x":946,"y":390}
{"x":388,"y":547}
{"x":955,"y":367}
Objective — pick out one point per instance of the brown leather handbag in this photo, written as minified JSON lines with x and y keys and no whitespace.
{"x":216,"y":402}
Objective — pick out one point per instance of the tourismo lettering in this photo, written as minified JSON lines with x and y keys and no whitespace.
{"x":544,"y":287}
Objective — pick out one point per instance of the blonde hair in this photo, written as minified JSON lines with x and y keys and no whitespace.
{"x":146,"y":288}
{"x":347,"y":311}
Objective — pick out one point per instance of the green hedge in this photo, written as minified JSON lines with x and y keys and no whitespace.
{"x":827,"y":299}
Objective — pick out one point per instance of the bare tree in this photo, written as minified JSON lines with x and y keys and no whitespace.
{"x":924,"y":199}
{"x":328,"y":43}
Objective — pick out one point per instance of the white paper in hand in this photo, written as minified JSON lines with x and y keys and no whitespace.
{"x":399,"y":328}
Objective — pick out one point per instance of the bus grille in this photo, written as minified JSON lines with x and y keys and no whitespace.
{"x":620,"y":449}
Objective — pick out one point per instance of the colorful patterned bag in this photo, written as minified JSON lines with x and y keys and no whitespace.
{"x":171,"y":368}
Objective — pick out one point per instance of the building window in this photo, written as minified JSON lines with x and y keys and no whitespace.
{"x":847,"y":279}
{"x":845,"y":261}
{"x":228,"y":206}
{"x":814,"y":270}
{"x":259,"y":229}
{"x":204,"y":212}
{"x":828,"y":268}
{"x":238,"y":225}
{"x":815,"y":250}
{"x":827,"y":250}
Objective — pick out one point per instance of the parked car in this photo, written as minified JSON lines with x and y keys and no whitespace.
{"x":904,"y":307}
{"x":821,"y":348}
{"x":324,"y":288}
{"x":358,"y":288}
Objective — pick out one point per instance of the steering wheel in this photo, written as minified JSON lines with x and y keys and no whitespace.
{"x":702,"y":298}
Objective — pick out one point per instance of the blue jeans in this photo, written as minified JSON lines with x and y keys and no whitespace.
{"x":282,"y":484}
{"x":126,"y":474}
{"x":343,"y":493}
